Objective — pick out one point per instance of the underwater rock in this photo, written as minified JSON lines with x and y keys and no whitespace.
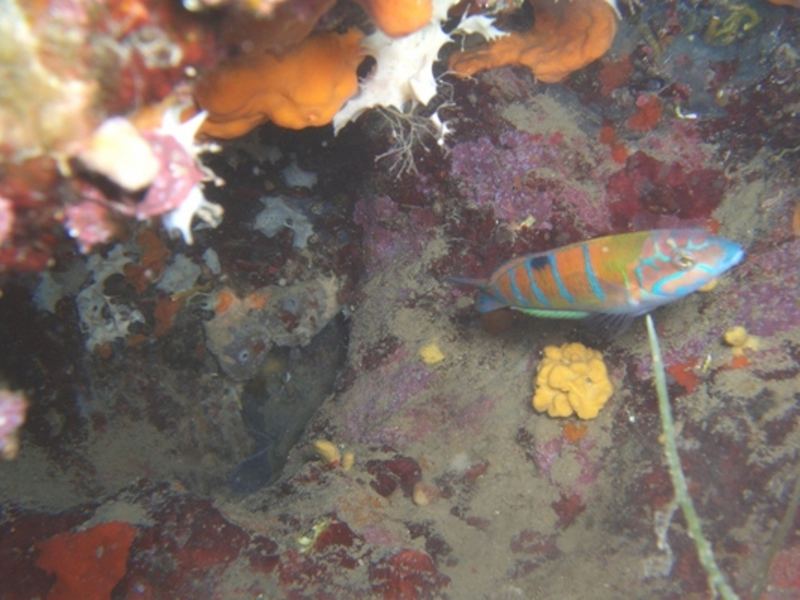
{"x":277,"y":405}
{"x":244,"y":330}
{"x":278,"y":215}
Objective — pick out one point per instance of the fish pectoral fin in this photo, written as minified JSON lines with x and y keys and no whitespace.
{"x":612,"y":324}
{"x":544,"y":313}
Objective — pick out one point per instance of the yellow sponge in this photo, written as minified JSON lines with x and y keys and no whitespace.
{"x":571,"y":379}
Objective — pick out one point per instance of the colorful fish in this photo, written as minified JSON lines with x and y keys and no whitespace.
{"x":625,"y":275}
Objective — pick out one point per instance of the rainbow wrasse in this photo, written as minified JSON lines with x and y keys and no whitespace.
{"x":625,"y":275}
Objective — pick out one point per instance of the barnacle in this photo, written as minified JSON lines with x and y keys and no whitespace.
{"x":303,"y":87}
{"x":571,"y":379}
{"x":565,"y":37}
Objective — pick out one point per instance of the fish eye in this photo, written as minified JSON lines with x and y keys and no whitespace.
{"x":683,"y":261}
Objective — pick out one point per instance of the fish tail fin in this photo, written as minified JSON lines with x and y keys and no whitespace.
{"x":486,"y":302}
{"x":468,"y":281}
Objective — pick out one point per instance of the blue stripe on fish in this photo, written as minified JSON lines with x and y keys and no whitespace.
{"x":497,"y":293}
{"x":639,"y":276}
{"x":658,"y":285}
{"x":693,"y":246}
{"x":597,"y":290}
{"x":680,"y":290}
{"x":518,"y":295}
{"x":562,"y":289}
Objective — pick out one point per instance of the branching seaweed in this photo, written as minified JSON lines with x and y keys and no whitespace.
{"x":415,"y":130}
{"x":409,"y":133}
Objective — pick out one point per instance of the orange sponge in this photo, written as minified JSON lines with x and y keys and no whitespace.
{"x":303,"y":87}
{"x":566,"y":36}
{"x":398,"y":17}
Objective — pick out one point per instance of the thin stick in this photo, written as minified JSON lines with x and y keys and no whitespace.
{"x":779,"y":539}
{"x":716,"y":579}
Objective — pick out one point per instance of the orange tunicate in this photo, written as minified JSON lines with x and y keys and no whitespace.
{"x":566,"y":36}
{"x":87,"y":564}
{"x":739,"y":362}
{"x":225,"y":300}
{"x":165,"y":312}
{"x":648,"y":113}
{"x":608,"y":136}
{"x":793,"y":3}
{"x":573,"y":432}
{"x":399,"y":17}
{"x":685,"y":374}
{"x":303,"y":87}
{"x":614,"y":74}
{"x":257,"y":300}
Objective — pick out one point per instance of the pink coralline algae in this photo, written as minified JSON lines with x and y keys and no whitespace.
{"x":495,"y":175}
{"x":390,"y":232}
{"x":13,"y":406}
{"x":767,"y":301}
{"x":547,"y":453}
{"x":389,"y":474}
{"x":179,"y":174}
{"x":523,"y":176}
{"x":407,"y":574}
{"x":378,"y":401}
{"x":451,"y":414}
{"x":532,"y":549}
{"x":89,"y":222}
{"x":647,"y":190}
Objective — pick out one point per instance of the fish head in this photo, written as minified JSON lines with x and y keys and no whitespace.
{"x":677,"y":262}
